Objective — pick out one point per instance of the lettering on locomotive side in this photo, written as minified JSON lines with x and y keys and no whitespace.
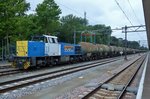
{"x":68,"y":48}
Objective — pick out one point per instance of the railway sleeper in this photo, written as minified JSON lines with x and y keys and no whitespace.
{"x":112,"y":87}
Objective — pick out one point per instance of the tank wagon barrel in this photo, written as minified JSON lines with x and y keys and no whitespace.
{"x":104,"y":50}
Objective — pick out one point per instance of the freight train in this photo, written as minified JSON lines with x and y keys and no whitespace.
{"x":46,"y":50}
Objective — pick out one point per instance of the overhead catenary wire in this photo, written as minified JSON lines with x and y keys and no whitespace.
{"x":135,"y":17}
{"x":133,"y":12}
{"x":123,"y":12}
{"x":75,"y":11}
{"x":126,"y":15}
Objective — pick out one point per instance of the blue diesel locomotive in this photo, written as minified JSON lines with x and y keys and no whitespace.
{"x":44,"y":50}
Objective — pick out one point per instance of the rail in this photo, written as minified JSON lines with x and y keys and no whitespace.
{"x":46,"y":76}
{"x":109,"y":79}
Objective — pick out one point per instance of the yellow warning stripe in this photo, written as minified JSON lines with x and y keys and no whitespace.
{"x":26,"y":65}
{"x":22,"y":48}
{"x":13,"y":64}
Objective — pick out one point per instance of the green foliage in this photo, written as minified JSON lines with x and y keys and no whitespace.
{"x":144,"y":48}
{"x":69,"y":25}
{"x":48,"y":16}
{"x":10,"y":10}
{"x":103,"y":33}
{"x":133,"y":44}
{"x":26,"y":26}
{"x":115,"y":41}
{"x":120,"y":42}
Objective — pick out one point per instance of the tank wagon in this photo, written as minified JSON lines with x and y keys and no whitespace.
{"x":46,"y":50}
{"x":97,"y":51}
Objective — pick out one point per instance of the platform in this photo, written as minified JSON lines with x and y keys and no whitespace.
{"x":146,"y":86}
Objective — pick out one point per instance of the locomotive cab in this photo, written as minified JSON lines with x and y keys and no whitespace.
{"x":52,"y":47}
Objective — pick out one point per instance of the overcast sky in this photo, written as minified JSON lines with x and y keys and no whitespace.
{"x":105,"y":12}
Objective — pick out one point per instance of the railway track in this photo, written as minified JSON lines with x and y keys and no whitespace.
{"x":9,"y":72}
{"x":123,"y":77}
{"x":5,"y":67}
{"x":26,"y":81}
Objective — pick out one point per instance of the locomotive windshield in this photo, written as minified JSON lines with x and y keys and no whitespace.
{"x":39,"y":38}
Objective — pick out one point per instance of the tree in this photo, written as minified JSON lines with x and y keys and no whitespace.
{"x":26,"y":27}
{"x":103,"y":33}
{"x":133,"y":44}
{"x":69,"y":25}
{"x":10,"y":10}
{"x":114,"y":41}
{"x":48,"y":16}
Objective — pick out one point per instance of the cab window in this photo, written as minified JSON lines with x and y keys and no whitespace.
{"x":53,"y":40}
{"x":49,"y":39}
{"x":45,"y":40}
{"x":56,"y":41}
